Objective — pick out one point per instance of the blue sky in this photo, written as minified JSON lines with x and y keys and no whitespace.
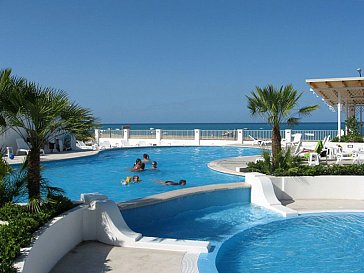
{"x":140,"y":61}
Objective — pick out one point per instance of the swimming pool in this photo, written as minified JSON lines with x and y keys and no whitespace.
{"x":103,"y":172}
{"x":316,"y":243}
{"x":213,"y":216}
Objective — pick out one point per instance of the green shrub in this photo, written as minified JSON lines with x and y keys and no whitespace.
{"x":22,"y":223}
{"x":353,"y":132}
{"x":304,"y":170}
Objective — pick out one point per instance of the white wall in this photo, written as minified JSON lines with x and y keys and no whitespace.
{"x":319,"y":187}
{"x":52,"y":244}
{"x":8,"y":139}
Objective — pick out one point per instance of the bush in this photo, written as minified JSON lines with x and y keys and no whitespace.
{"x":304,"y":170}
{"x":22,"y":223}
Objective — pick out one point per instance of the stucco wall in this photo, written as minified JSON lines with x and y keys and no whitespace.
{"x":53,"y":243}
{"x":319,"y":187}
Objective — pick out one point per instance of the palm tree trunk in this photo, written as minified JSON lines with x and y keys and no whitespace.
{"x":276,"y":145}
{"x":34,"y":174}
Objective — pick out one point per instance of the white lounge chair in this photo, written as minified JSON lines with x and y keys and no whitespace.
{"x":260,"y":142}
{"x":105,"y":145}
{"x":81,"y":145}
{"x":255,"y":141}
{"x":313,"y":159}
{"x":342,"y":155}
{"x":296,"y":140}
{"x":22,"y":146}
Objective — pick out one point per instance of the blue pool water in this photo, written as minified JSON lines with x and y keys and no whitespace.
{"x":320,"y":243}
{"x":103,"y":172}
{"x":213,"y":217}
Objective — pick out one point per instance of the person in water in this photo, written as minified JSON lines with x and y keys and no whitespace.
{"x":129,"y":180}
{"x":145,"y":158}
{"x":136,"y":179}
{"x":139,"y":165}
{"x":182,"y":182}
{"x":154,"y":165}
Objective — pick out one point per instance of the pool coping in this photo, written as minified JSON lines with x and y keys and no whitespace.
{"x":170,"y":195}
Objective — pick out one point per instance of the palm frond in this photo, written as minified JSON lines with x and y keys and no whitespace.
{"x":308,"y":109}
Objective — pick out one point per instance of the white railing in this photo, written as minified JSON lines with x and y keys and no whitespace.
{"x":177,"y":134}
{"x":260,"y":134}
{"x":203,"y":137}
{"x":111,"y":133}
{"x":315,"y":135}
{"x":142,"y":134}
{"x":219,"y":134}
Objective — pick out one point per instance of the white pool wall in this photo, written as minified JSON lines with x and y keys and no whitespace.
{"x":66,"y":231}
{"x":52,"y":242}
{"x":266,"y":190}
{"x":319,"y":187}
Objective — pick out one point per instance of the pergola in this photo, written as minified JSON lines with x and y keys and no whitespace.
{"x":341,"y":94}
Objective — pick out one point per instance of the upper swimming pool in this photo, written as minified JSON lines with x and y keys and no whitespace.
{"x":104,"y":172}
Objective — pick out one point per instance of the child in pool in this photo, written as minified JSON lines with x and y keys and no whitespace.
{"x":128,"y":180}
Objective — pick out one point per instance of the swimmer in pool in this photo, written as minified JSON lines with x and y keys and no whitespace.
{"x":136,"y":179}
{"x":154,"y":165}
{"x":145,"y":158}
{"x":182,"y":182}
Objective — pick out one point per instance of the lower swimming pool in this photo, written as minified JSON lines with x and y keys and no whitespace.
{"x":246,"y":238}
{"x":213,"y":216}
{"x":317,"y":243}
{"x":103,"y":172}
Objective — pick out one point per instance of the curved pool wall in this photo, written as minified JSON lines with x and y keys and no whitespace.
{"x":136,"y":215}
{"x":82,"y":224}
{"x":156,"y":216}
{"x":268,"y":191}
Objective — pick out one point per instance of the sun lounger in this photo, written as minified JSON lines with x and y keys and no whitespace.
{"x":22,"y":146}
{"x":260,"y":142}
{"x":81,"y":145}
{"x":255,"y":141}
{"x":342,"y":155}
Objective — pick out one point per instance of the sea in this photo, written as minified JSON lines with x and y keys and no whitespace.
{"x":220,"y":126}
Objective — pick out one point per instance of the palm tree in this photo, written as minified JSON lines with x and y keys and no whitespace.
{"x":35,"y":114}
{"x":12,"y":182}
{"x":276,"y":106}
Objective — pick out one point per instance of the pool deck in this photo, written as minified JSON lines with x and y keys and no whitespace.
{"x":229,"y":165}
{"x":95,"y":257}
{"x":18,"y":159}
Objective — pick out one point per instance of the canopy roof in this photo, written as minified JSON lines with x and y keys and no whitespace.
{"x":351,"y":90}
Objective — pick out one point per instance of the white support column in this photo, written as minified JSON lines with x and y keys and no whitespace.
{"x":240,"y":136}
{"x":197,"y":136}
{"x":288,"y":135}
{"x":126,"y":134}
{"x":339,"y":115}
{"x":158,"y":135}
{"x":97,"y":136}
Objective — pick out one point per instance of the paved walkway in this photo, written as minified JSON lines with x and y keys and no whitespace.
{"x":229,"y":165}
{"x":95,"y":257}
{"x":54,"y":156}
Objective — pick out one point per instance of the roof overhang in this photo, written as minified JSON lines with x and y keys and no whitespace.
{"x":350,"y":90}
